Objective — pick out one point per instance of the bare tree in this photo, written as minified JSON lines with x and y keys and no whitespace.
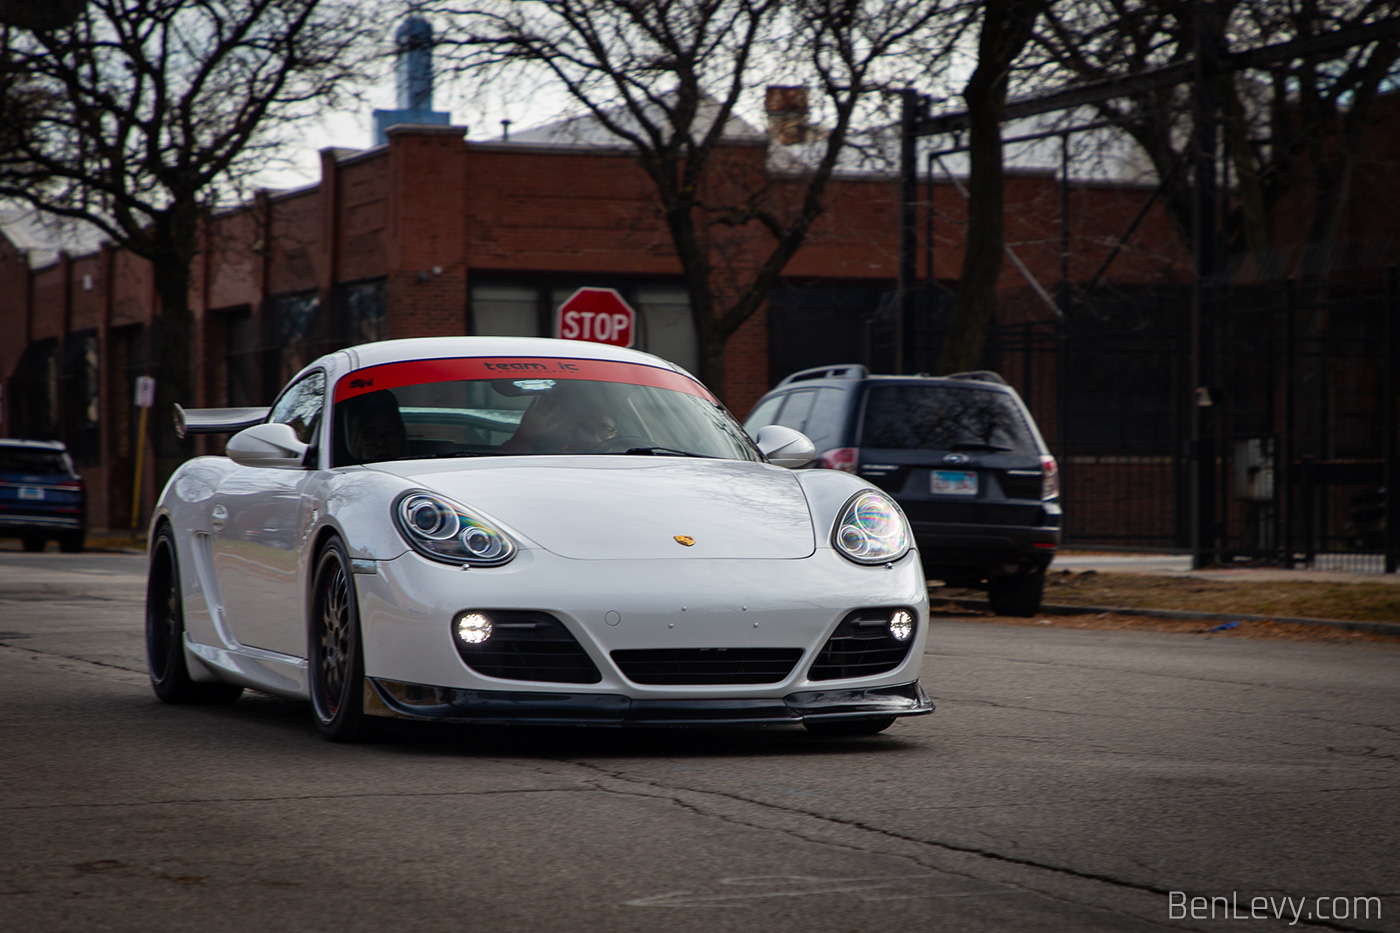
{"x":141,"y":114}
{"x":1006,"y":28}
{"x":1300,"y":118}
{"x":667,"y":79}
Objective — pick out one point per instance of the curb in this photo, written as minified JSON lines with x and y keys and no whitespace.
{"x":1380,"y":628}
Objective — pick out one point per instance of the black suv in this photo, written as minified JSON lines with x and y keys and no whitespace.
{"x":962,"y":456}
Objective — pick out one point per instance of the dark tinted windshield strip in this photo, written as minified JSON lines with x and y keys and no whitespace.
{"x":416,"y":372}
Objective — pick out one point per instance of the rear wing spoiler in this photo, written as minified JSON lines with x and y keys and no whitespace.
{"x":216,"y":420}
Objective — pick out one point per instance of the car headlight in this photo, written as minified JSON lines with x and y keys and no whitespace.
{"x":871,"y":529}
{"x":443,"y":530}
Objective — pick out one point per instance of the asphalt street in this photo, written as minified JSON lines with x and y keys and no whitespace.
{"x":1069,"y":781}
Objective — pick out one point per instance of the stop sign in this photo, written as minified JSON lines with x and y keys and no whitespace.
{"x":599,"y":315}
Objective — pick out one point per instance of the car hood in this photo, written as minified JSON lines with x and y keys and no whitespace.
{"x":632,"y":508}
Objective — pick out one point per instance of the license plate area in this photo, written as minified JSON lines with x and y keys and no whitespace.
{"x":953,"y":482}
{"x":31,"y":493}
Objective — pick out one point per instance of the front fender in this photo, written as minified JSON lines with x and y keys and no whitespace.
{"x":827,"y":491}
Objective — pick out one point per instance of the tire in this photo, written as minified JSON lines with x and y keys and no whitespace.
{"x":850,"y":727}
{"x":1017,"y":595}
{"x":165,"y":632}
{"x":72,"y":542}
{"x":337,"y":664}
{"x":34,"y":543}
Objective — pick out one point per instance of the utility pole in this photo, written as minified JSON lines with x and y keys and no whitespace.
{"x":910,"y":113}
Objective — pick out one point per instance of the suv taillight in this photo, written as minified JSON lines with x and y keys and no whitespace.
{"x":842,"y":458}
{"x":1050,"y":481}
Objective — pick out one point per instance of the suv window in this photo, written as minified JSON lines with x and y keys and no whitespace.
{"x":762,"y":416}
{"x":944,"y":417}
{"x":794,"y":413}
{"x":33,"y":460}
{"x":825,"y":423}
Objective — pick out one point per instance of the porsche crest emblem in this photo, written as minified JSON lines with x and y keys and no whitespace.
{"x":687,"y":540}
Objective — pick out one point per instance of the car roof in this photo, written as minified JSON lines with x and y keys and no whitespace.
{"x":855,"y":373}
{"x":56,"y":446}
{"x":422,"y":348}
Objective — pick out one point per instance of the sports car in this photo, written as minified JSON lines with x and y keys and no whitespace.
{"x":527,"y":531}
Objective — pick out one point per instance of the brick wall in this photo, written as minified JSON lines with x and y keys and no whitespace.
{"x":430,"y":210}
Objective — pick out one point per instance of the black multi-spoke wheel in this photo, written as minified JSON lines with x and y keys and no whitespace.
{"x":337,"y":666}
{"x":165,"y":632}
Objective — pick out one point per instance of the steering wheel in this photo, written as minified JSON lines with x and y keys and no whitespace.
{"x":616,"y":445}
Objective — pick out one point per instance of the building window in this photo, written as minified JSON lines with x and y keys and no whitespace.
{"x":241,"y":359}
{"x":80,"y":395}
{"x":33,"y":391}
{"x":507,"y":311}
{"x":363,"y":311}
{"x":291,"y":324}
{"x":508,"y":308}
{"x":667,"y":328}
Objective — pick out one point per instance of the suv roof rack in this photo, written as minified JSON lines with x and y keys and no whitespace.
{"x":839,"y":371}
{"x":979,"y":375}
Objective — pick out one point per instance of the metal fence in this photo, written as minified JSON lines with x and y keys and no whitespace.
{"x":1304,"y":441}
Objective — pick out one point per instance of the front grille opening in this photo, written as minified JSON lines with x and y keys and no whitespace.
{"x":706,"y":666}
{"x":532,"y":646}
{"x":862,"y":646}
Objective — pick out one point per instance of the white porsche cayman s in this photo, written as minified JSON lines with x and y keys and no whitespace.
{"x":531,"y":531}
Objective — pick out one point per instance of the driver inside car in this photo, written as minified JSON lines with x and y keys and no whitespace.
{"x":375,"y":429}
{"x":557,"y":423}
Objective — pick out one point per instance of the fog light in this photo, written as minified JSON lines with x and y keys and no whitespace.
{"x":901,"y":625}
{"x":473,"y":628}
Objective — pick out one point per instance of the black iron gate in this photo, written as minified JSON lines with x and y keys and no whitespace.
{"x":1305,"y":419}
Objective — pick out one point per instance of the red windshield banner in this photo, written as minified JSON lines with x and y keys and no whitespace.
{"x":418,"y":372}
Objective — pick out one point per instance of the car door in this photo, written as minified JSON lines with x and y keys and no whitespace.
{"x":259,"y":521}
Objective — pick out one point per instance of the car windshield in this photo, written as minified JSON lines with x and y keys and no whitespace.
{"x":944,"y":417}
{"x":33,"y":460}
{"x":482,"y":407}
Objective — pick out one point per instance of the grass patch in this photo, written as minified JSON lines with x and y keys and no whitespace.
{"x":1351,"y":602}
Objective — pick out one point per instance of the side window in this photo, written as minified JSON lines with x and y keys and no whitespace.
{"x":794,"y":413}
{"x":301,"y":405}
{"x":762,"y":416}
{"x":825,"y":422}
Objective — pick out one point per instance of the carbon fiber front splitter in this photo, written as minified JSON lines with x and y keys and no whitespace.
{"x":501,"y":707}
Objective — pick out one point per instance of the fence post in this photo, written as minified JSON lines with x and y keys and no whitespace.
{"x":1290,"y":379}
{"x":1388,"y":417}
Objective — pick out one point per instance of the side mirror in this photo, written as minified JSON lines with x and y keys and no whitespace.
{"x":784,"y":446}
{"x":267,"y":445}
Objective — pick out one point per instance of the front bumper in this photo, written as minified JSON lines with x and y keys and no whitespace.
{"x":494,"y":707}
{"x":12,"y":524}
{"x":616,"y":608}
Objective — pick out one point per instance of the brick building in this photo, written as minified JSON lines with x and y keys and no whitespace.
{"x":435,"y":234}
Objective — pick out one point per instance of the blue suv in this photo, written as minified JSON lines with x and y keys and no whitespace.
{"x":961,"y":455}
{"x":41,"y":495}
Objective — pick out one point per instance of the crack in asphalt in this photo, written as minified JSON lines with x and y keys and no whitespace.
{"x":38,"y":652}
{"x":656,"y":790}
{"x":668,"y":792}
